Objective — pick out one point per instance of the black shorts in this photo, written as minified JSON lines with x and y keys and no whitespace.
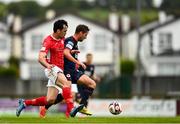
{"x":73,"y":76}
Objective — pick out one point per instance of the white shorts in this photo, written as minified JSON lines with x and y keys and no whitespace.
{"x":73,"y":87}
{"x":52,"y":74}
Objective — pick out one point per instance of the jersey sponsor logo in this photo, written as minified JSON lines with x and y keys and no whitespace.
{"x":68,"y":75}
{"x":71,"y":43}
{"x":69,"y":46}
{"x":43,"y":48}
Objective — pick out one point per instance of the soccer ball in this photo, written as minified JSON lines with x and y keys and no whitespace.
{"x":115,"y":108}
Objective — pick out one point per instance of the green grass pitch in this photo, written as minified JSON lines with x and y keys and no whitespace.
{"x":59,"y":118}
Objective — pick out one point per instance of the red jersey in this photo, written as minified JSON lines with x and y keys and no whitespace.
{"x":55,"y":48}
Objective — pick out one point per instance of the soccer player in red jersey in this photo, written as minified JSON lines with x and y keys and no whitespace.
{"x":53,"y":44}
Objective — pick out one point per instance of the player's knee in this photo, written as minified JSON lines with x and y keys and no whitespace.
{"x":67,"y":83}
{"x":63,"y":83}
{"x":92,"y":84}
{"x":51,"y":100}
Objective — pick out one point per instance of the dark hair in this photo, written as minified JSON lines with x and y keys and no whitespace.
{"x":59,"y":24}
{"x":82,"y":28}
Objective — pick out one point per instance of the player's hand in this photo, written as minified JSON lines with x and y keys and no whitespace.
{"x":82,"y":65}
{"x":75,"y":51}
{"x":50,"y":66}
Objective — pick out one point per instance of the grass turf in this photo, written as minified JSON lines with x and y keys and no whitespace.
{"x":58,"y":118}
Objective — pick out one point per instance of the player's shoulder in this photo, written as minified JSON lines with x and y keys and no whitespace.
{"x":47,"y":38}
{"x":47,"y":41}
{"x":69,"y":39}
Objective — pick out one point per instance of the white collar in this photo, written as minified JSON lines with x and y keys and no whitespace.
{"x":55,"y":38}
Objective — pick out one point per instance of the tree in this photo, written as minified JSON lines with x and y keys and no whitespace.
{"x":26,"y":9}
{"x":60,"y":5}
{"x":171,"y":6}
{"x":2,"y":10}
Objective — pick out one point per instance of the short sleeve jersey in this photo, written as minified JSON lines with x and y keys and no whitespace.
{"x":54,"y":47}
{"x":70,"y":43}
{"x":89,"y":69}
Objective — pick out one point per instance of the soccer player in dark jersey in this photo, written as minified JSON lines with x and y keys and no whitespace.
{"x":53,"y":44}
{"x":71,"y":60}
{"x":70,"y":70}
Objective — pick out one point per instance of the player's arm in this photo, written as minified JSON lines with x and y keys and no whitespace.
{"x":43,"y":60}
{"x":43,"y":54}
{"x":81,"y":69}
{"x":67,"y":54}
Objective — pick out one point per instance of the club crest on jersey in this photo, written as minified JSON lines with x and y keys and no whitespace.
{"x":68,"y":75}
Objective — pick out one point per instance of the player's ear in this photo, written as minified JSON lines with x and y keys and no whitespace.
{"x":58,"y":30}
{"x":81,"y":33}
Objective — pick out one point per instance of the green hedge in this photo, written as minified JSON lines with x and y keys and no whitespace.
{"x":127,"y":67}
{"x":8,"y":72}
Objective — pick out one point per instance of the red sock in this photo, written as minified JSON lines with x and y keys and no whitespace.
{"x":66,"y":92}
{"x":41,"y":101}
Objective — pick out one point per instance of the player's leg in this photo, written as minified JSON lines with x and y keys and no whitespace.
{"x":66,"y":92}
{"x":72,"y":111}
{"x":57,"y":77}
{"x":80,"y":92}
{"x":52,"y":92}
{"x":89,"y":86}
{"x":71,"y":77}
{"x":51,"y":98}
{"x":59,"y":99}
{"x":81,"y":89}
{"x":41,"y":101}
{"x":43,"y":109}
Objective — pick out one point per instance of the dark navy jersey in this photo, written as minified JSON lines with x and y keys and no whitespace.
{"x":89,"y":69}
{"x":71,"y":44}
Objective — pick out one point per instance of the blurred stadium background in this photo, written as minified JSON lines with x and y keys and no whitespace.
{"x":135,"y":44}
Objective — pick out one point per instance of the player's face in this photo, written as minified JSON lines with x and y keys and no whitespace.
{"x":62,"y":33}
{"x":83,"y":35}
{"x":89,"y":59}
